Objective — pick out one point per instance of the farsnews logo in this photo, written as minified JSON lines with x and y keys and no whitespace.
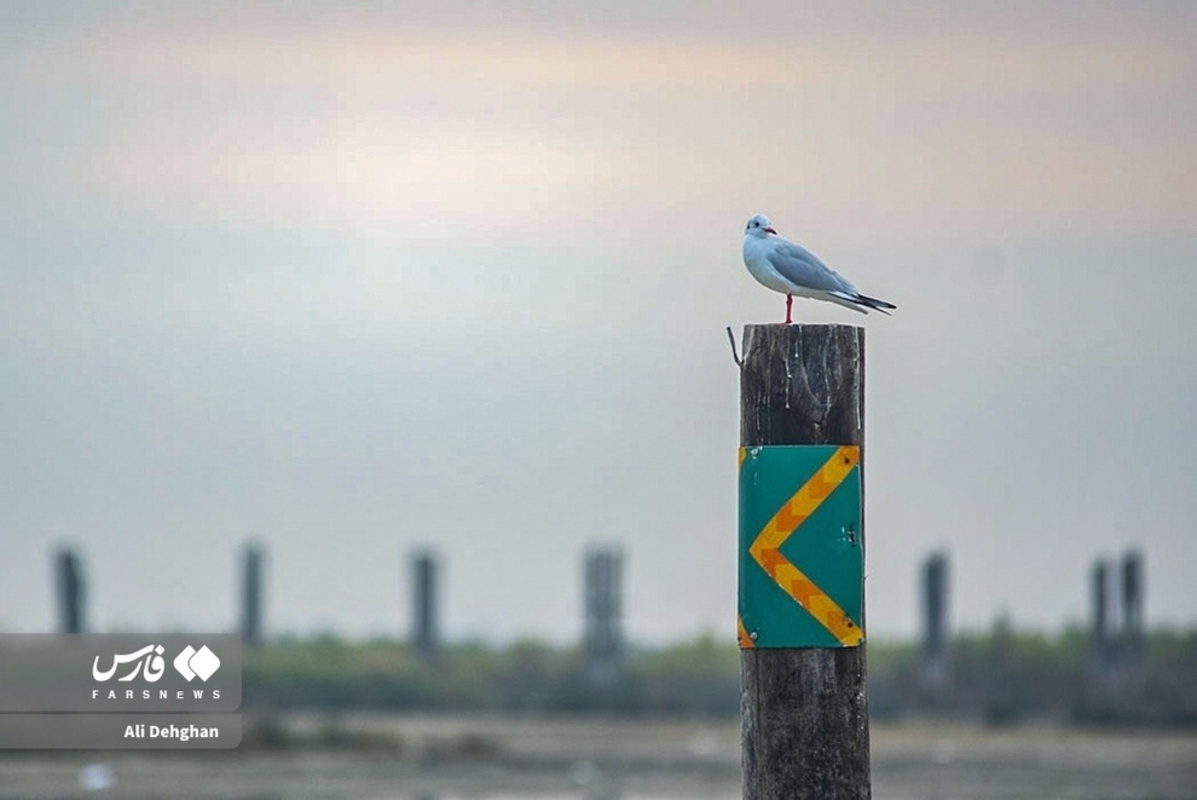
{"x":149,"y":656}
{"x":192,"y":663}
{"x":149,"y":664}
{"x":118,"y":672}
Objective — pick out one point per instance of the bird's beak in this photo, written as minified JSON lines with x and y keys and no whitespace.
{"x":770,"y":230}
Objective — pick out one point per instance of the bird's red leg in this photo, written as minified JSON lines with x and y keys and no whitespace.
{"x":789,"y":304}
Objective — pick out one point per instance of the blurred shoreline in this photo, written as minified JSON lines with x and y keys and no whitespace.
{"x":364,"y":755}
{"x":1002,"y":676}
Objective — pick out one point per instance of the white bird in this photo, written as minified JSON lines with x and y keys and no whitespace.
{"x":792,"y":270}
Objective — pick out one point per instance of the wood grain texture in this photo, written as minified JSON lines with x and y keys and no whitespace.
{"x":804,"y":712}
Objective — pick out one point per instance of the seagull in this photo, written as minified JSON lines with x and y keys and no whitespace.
{"x":792,"y":270}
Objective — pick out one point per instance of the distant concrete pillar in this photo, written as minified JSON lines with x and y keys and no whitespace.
{"x":603,"y":567}
{"x":1100,"y":675}
{"x":1099,"y":590}
{"x":1132,"y":645}
{"x":1132,"y":594}
{"x":935,"y":601}
{"x":71,"y":589}
{"x":252,"y":594}
{"x":935,"y":669}
{"x":424,"y":636}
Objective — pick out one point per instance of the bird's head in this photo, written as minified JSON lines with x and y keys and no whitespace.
{"x":760,"y":226}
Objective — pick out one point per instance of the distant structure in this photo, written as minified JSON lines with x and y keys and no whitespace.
{"x":1132,"y":604}
{"x":252,"y":594}
{"x":1101,"y":674}
{"x":1132,"y":641}
{"x":1115,"y":671}
{"x":935,"y":672}
{"x":1100,"y":638}
{"x":1103,"y":625}
{"x":72,"y":591}
{"x":425,"y":638}
{"x":603,"y":573}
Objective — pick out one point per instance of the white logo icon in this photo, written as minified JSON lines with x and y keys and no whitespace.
{"x":149,"y":656}
{"x":192,"y":663}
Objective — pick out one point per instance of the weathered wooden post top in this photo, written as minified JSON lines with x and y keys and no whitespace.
{"x":804,"y":712}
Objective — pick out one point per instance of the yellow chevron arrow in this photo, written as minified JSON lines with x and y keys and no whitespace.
{"x":765,"y":548}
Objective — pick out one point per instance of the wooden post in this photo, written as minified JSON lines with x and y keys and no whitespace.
{"x":804,"y":712}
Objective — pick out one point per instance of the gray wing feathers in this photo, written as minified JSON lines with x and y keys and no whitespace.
{"x":798,"y":265}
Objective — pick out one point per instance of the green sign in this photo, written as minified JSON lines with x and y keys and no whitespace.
{"x":801,"y":551}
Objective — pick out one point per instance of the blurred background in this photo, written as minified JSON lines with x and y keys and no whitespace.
{"x":353,"y":284}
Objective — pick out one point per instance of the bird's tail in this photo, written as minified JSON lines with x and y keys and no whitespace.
{"x":873,"y":302}
{"x":859,"y":302}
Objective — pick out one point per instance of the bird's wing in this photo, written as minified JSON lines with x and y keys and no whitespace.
{"x":801,"y":267}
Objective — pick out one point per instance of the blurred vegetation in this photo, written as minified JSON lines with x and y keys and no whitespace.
{"x":999,"y":675}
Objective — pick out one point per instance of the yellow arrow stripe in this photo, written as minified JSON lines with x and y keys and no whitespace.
{"x":804,"y":591}
{"x":805,"y":500}
{"x":793,"y":581}
{"x":742,"y":636}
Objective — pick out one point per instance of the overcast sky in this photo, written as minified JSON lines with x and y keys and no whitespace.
{"x":349,"y":281}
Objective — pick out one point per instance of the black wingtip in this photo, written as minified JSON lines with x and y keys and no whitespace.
{"x":873,"y":302}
